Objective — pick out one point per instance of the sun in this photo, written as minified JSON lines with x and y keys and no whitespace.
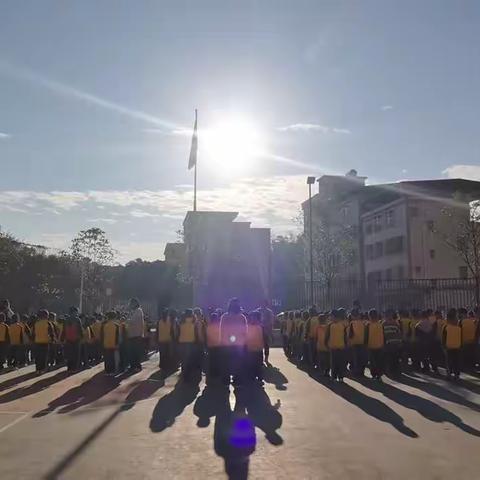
{"x":234,"y":144}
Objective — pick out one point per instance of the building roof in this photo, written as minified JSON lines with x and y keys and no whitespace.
{"x":210,"y":215}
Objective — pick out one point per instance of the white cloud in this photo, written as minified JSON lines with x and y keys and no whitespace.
{"x":386,"y":107}
{"x":109,"y":221}
{"x":312,"y":127}
{"x":470,"y":172}
{"x":4,"y":135}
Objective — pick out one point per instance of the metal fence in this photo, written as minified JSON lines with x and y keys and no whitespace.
{"x":383,"y":294}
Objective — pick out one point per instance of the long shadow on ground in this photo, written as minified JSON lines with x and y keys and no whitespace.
{"x":428,"y":409}
{"x":371,"y":406}
{"x":170,"y":406}
{"x":32,"y":389}
{"x":274,"y":376}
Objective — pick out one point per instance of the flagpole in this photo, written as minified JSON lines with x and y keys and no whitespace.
{"x":195,"y":176}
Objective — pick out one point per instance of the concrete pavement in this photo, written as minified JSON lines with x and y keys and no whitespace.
{"x":91,"y":426}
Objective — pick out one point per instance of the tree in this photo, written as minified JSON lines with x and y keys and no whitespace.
{"x":92,"y":251}
{"x":464,"y":237}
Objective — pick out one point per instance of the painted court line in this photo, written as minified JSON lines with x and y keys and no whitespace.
{"x":11,"y":424}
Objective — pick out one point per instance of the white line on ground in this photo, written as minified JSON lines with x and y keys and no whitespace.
{"x":11,"y":413}
{"x":11,"y":424}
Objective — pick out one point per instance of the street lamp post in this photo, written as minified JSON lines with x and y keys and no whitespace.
{"x":310,"y":182}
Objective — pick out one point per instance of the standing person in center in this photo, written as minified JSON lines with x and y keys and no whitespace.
{"x":267,"y":318}
{"x":72,"y":335}
{"x":187,"y":343}
{"x":336,"y":341}
{"x":375,"y":341}
{"x":43,"y":336}
{"x":165,"y":337}
{"x":452,"y":344}
{"x":135,"y":333}
{"x":233,"y":338}
{"x":255,"y":343}
{"x":110,"y":341}
{"x":214,"y":349}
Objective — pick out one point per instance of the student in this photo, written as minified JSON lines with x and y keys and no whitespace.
{"x":425,"y":334}
{"x":4,"y":340}
{"x":43,"y":336}
{"x":96,"y":328}
{"x":28,"y":338}
{"x":199,"y":348}
{"x":452,"y":344}
{"x":233,"y":337}
{"x":187,"y":342}
{"x":135,"y":334}
{"x":310,"y":336}
{"x":110,"y":341}
{"x":289,"y":328}
{"x":165,"y":338}
{"x":356,"y":336}
{"x":72,"y":336}
{"x":296,"y":336}
{"x":17,"y":342}
{"x":374,"y":341}
{"x":323,"y":355}
{"x":392,"y":335}
{"x":406,"y":328}
{"x":52,"y":352}
{"x":336,"y":341}
{"x":255,"y":345}
{"x":303,"y":338}
{"x":214,"y":350}
{"x":469,"y":330}
{"x":123,"y":348}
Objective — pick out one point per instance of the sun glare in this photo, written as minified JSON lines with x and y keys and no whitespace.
{"x":232,"y":145}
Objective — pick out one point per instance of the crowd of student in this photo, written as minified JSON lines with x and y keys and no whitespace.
{"x":226,"y":346}
{"x":339,"y":341}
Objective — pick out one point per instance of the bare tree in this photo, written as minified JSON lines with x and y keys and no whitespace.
{"x":464,"y":238}
{"x":92,"y":251}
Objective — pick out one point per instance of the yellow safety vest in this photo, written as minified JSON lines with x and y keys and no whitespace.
{"x":337,"y":336}
{"x":375,"y":336}
{"x":358,"y":328}
{"x":16,"y":334}
{"x":111,"y":334}
{"x":321,"y":336}
{"x":213,"y":335}
{"x":187,"y":331}
{"x":254,"y":338}
{"x":164,"y":331}
{"x":41,"y":329}
{"x":312,"y":328}
{"x":453,"y":338}
{"x":3,"y":332}
{"x":468,"y":330}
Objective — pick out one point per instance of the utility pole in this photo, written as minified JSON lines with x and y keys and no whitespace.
{"x":310,"y":182}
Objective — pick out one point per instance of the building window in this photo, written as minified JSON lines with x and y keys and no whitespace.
{"x":390,"y":218}
{"x":463,"y":272}
{"x":394,"y":245}
{"x":368,"y":228}
{"x":369,"y":251}
{"x":432,"y":254}
{"x":388,"y":274}
{"x":378,"y":249}
{"x":418,"y":271}
{"x":377,"y":223}
{"x":413,"y":211}
{"x":374,"y":277}
{"x":400,"y":272}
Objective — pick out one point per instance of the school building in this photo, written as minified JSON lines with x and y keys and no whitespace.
{"x":223,"y":258}
{"x":399,"y":228}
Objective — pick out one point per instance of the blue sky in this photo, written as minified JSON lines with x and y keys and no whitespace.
{"x":97,"y":99}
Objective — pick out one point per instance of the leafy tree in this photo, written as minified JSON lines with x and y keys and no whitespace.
{"x":92,"y":251}
{"x":463,"y":236}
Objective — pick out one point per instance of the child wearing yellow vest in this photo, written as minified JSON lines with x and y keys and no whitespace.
{"x":43,"y":336}
{"x":165,"y":337}
{"x":356,"y":337}
{"x":374,"y":341}
{"x":336,"y":340}
{"x":323,"y":355}
{"x":255,"y":345}
{"x":310,"y":337}
{"x":17,"y":342}
{"x":452,"y":344}
{"x":214,"y":348}
{"x":4,"y":340}
{"x":469,"y":329}
{"x":187,"y":342}
{"x":110,"y":342}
